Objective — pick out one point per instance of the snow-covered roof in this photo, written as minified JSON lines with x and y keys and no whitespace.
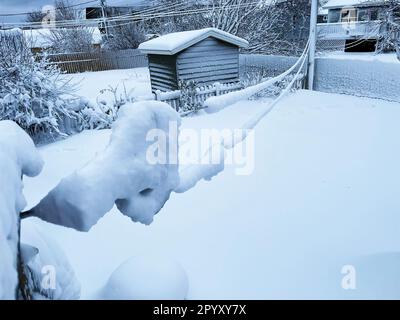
{"x":173,"y":43}
{"x":41,"y":38}
{"x":350,"y":3}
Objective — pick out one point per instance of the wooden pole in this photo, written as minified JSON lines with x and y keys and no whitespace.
{"x":313,"y":43}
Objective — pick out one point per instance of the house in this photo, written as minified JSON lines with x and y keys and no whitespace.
{"x":352,"y":25}
{"x":204,"y":56}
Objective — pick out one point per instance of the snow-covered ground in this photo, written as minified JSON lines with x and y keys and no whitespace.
{"x":135,"y":82}
{"x":324,"y":194}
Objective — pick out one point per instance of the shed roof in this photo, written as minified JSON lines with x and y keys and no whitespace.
{"x":173,"y":43}
{"x":350,"y":3}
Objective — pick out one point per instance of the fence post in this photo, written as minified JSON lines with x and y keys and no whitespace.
{"x":217,"y":87}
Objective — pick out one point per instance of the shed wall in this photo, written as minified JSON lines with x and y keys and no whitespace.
{"x":163,"y":72}
{"x":209,"y":61}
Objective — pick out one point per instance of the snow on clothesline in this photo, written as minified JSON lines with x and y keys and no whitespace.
{"x":215,"y":104}
{"x":191,"y":175}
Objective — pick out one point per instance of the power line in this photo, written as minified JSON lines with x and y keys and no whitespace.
{"x":138,"y":16}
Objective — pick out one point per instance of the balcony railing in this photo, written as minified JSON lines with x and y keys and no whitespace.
{"x":349,"y":30}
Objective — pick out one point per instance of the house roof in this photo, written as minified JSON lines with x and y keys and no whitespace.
{"x":331,"y":4}
{"x":173,"y":43}
{"x":41,"y":38}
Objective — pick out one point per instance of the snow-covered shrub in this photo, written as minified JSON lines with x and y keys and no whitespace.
{"x":103,"y":114}
{"x":121,"y":175}
{"x":33,"y":93}
{"x":188,"y":93}
{"x":18,"y":156}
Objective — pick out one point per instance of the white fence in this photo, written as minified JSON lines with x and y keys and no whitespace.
{"x":173,"y":98}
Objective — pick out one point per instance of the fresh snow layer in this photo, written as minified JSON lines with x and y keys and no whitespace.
{"x":146,"y":278}
{"x":97,"y":87}
{"x":181,"y":40}
{"x":18,"y":156}
{"x":120,"y":175}
{"x":324,"y":194}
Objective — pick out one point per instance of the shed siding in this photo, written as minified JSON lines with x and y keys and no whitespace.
{"x":163,"y":72}
{"x":209,"y":61}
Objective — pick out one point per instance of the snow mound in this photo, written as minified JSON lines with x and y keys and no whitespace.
{"x":41,"y":257}
{"x":120,"y":175}
{"x":18,"y":156}
{"x":147,"y":278}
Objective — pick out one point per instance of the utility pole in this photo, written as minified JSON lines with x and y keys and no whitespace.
{"x":313,"y":43}
{"x":104,"y":15}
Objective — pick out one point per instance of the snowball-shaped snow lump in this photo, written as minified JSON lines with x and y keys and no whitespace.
{"x":121,"y":174}
{"x":147,"y":278}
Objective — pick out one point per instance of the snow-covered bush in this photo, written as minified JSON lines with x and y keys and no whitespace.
{"x":103,"y":114}
{"x":121,"y":175}
{"x":18,"y":157}
{"x":188,"y":93}
{"x":33,"y":93}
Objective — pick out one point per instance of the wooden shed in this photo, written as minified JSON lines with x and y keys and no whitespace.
{"x":204,"y":56}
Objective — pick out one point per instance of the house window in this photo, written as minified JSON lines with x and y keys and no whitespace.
{"x":374,"y":14}
{"x":334,"y":15}
{"x":349,"y":15}
{"x":363,"y":15}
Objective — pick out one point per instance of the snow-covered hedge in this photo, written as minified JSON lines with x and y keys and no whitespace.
{"x":18,"y":157}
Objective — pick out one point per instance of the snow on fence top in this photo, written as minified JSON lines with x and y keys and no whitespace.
{"x":350,"y":3}
{"x":173,"y":43}
{"x":42,"y":38}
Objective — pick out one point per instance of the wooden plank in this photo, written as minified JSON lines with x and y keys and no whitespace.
{"x":210,"y":73}
{"x":162,"y":76}
{"x":211,"y":79}
{"x":209,"y":48}
{"x":160,"y":86}
{"x":159,"y":68}
{"x":164,"y":81}
{"x":206,"y":53}
{"x":209,"y":69}
{"x":207,"y":60}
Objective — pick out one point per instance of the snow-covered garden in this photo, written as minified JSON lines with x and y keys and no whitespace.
{"x":212,"y":173}
{"x":334,"y":156}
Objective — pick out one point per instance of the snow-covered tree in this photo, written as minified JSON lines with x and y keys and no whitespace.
{"x":125,"y":35}
{"x":71,"y":40}
{"x":390,"y":39}
{"x":33,"y":93}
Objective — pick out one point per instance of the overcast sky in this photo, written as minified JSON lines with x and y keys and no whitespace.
{"x":18,"y":6}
